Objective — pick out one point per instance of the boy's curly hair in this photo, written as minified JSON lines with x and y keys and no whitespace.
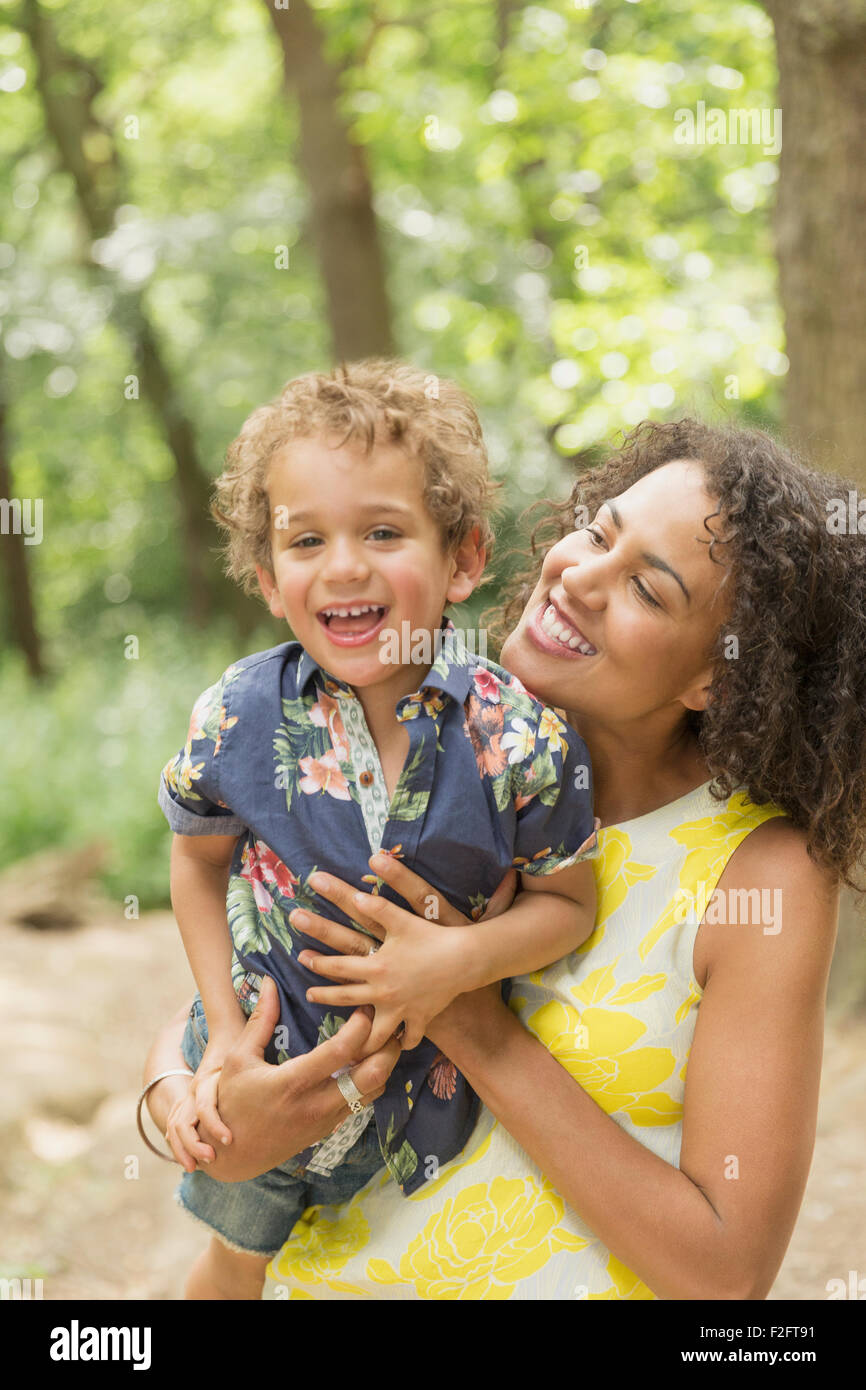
{"x":787,"y":718}
{"x":378,"y":398}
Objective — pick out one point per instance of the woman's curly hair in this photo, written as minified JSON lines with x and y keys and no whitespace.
{"x":787,"y":717}
{"x":432,"y":418}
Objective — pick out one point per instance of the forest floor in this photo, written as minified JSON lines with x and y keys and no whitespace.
{"x":89,"y":1210}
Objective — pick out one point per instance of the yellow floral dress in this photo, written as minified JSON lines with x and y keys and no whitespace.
{"x":619,"y":1014}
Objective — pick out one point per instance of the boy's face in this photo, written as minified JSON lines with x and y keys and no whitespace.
{"x":351,"y":530}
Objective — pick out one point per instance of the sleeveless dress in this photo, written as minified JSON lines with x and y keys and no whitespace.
{"x":619,"y":1014}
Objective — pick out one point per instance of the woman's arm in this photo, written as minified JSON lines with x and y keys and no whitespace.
{"x":718,"y":1226}
{"x":165,"y":1055}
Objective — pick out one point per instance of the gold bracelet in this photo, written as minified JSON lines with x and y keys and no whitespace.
{"x":177,"y":1071}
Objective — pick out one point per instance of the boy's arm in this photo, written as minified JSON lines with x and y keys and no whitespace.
{"x":199,"y":880}
{"x":550,"y":917}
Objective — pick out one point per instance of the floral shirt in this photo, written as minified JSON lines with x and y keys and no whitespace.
{"x":278,"y":753}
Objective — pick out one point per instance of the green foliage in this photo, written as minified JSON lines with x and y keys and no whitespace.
{"x":82,"y":756}
{"x":547,"y":242}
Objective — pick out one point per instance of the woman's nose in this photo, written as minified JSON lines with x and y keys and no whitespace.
{"x":585,"y":582}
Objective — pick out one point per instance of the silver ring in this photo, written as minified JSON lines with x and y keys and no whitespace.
{"x":350,"y":1093}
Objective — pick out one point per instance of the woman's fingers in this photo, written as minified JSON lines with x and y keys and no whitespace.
{"x":412,"y":1037}
{"x":371,"y":1074}
{"x":423,"y":900}
{"x":311,"y":1069}
{"x":343,"y":939}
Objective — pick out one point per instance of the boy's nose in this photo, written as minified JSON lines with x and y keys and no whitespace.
{"x":345,"y":560}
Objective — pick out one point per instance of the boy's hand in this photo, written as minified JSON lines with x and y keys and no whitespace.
{"x":412,"y":977}
{"x":204,"y":1089}
{"x":181,"y":1131}
{"x":420,"y":1002}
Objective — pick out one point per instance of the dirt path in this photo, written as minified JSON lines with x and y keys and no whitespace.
{"x":89,"y":1210}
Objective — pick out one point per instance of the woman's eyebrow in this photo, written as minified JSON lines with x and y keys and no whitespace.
{"x":655,"y":561}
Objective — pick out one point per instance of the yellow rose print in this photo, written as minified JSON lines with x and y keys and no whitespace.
{"x":615,"y":872}
{"x":596,"y":1047}
{"x":482,"y":1242}
{"x":318,"y":1248}
{"x":710,"y":841}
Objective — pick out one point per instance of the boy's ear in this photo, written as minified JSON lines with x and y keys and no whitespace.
{"x":268,"y":586}
{"x":469,"y":560}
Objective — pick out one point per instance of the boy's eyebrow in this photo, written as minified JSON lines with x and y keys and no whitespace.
{"x":655,"y":561}
{"x":394,"y":508}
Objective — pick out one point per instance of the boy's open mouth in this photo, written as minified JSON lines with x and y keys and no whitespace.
{"x":351,"y":623}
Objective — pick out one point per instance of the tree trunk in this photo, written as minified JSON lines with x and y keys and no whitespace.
{"x":820,"y":220}
{"x":335,"y":169}
{"x":68,"y":87}
{"x":21,"y":619}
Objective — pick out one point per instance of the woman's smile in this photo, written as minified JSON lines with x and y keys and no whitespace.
{"x":551,"y":631}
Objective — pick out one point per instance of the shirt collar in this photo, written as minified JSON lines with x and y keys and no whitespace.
{"x":451,"y":672}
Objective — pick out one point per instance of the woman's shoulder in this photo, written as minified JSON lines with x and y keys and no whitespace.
{"x":775,"y":910}
{"x":776,"y":849}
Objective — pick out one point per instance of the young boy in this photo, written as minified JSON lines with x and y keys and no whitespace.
{"x":358,"y":501}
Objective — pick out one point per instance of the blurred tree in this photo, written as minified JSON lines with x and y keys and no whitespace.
{"x":68,"y":87}
{"x":343,"y":222}
{"x":820,"y":216}
{"x":20,"y":615}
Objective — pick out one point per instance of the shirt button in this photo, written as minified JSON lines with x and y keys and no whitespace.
{"x":366,"y":779}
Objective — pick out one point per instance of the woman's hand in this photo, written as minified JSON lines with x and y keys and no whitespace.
{"x":275,"y":1112}
{"x":416,"y":974}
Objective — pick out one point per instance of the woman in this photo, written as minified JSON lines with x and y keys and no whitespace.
{"x":650,"y":1101}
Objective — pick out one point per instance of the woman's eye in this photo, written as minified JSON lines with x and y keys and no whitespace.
{"x":599,"y":540}
{"x":645,"y":594}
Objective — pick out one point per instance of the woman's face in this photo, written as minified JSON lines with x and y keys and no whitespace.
{"x":624,"y":614}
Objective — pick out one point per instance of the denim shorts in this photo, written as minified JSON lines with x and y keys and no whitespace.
{"x":257,"y":1216}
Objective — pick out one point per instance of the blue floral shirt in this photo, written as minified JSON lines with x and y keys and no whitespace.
{"x":278,"y":753}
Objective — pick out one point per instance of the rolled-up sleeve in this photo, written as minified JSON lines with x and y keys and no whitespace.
{"x":555,"y":825}
{"x":189,"y":790}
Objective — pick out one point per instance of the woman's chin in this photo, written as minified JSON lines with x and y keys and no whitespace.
{"x":520,"y":658}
